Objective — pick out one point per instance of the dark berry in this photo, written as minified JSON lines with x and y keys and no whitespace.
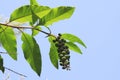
{"x":63,"y":40}
{"x":54,"y":41}
{"x":67,"y":56}
{"x":59,"y":41}
{"x":66,"y":47}
{"x":59,"y":34}
{"x":59,"y":51}
{"x":61,"y":63}
{"x":62,"y":60}
{"x":61,"y":48}
{"x":63,"y":67}
{"x":63,"y":52}
{"x":62,"y":43}
{"x":56,"y":45}
{"x":68,"y":52}
{"x":58,"y":37}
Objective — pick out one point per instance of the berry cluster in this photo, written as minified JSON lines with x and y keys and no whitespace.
{"x":63,"y":52}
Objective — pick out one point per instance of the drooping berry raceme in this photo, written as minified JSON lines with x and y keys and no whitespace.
{"x":63,"y":52}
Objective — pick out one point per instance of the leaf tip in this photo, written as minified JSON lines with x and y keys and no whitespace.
{"x":85,"y":46}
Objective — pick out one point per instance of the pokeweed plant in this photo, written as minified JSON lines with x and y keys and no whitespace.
{"x":36,"y":16}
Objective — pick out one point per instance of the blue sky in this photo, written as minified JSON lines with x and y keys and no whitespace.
{"x":96,"y":22}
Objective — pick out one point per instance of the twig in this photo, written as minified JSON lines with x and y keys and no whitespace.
{"x":15,"y":72}
{"x":3,"y":52}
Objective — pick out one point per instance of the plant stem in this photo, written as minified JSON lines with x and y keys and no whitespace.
{"x":28,"y":27}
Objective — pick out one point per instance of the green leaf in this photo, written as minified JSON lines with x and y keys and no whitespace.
{"x":33,"y":2}
{"x":23,"y":14}
{"x":41,"y":11}
{"x":73,"y":38}
{"x":35,"y":32}
{"x":8,"y":41}
{"x":73,"y":47}
{"x":1,"y":64}
{"x":57,"y":14}
{"x":53,"y":53}
{"x":31,"y":52}
{"x":35,"y":18}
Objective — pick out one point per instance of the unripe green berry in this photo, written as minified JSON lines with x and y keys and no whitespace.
{"x":63,"y":52}
{"x":61,"y":55}
{"x":66,"y":62}
{"x":63,"y":58}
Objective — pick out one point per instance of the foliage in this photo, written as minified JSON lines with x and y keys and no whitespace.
{"x":37,"y":15}
{"x":31,"y":52}
{"x":8,"y":41}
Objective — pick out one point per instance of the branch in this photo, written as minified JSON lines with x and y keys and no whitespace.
{"x":15,"y":72}
{"x":28,"y":27}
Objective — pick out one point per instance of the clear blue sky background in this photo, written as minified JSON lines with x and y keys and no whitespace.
{"x":96,"y":22}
